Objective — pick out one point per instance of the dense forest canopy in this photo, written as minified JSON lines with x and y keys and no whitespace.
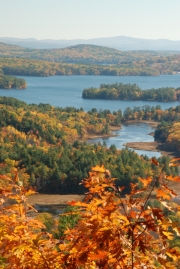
{"x":120,"y":91}
{"x":43,"y":143}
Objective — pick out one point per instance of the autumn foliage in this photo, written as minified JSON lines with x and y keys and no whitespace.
{"x":113,"y":231}
{"x":85,"y":60}
{"x":22,"y":242}
{"x":122,"y":232}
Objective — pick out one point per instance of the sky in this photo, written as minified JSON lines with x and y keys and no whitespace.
{"x":85,"y":19}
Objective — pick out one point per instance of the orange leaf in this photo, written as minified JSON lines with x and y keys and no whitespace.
{"x":21,"y":210}
{"x":133,"y":214}
{"x":5,"y":177}
{"x":62,"y":247}
{"x":29,"y":192}
{"x":101,"y":255}
{"x":16,"y":178}
{"x":163,"y":194}
{"x":174,"y":164}
{"x":175,"y":179}
{"x":71,"y":203}
{"x":145,"y":182}
{"x":174,"y":160}
{"x":31,"y":207}
{"x":74,"y":203}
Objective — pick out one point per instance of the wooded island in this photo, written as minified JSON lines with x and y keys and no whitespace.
{"x":120,"y":91}
{"x":8,"y":82}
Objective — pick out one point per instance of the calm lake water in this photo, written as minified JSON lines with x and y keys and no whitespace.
{"x":66,"y":91}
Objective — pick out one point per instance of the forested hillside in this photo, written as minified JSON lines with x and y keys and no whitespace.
{"x":42,"y":143}
{"x":168,"y":132}
{"x":152,"y":113}
{"x":86,"y":59}
{"x":24,"y":67}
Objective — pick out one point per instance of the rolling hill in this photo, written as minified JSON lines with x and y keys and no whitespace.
{"x":117,"y":42}
{"x":86,"y":54}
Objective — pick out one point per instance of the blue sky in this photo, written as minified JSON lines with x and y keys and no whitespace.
{"x":74,"y":19}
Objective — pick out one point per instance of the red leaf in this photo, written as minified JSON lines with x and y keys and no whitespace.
{"x":71,"y":203}
{"x":155,"y":161}
{"x":142,"y":246}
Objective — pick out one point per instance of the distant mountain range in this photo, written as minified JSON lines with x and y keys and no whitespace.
{"x":118,"y":42}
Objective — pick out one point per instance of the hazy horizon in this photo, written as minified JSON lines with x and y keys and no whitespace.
{"x":14,"y":37}
{"x":90,"y":19}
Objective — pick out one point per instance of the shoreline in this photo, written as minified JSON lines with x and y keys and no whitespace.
{"x":94,"y":136}
{"x":153,"y":124}
{"x":146,"y":146}
{"x":150,"y":146}
{"x":117,"y":128}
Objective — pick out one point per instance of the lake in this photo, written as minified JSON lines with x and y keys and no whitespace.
{"x":66,"y":91}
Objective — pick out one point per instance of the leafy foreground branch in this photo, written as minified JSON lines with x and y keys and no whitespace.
{"x":117,"y":232}
{"x":112,"y":232}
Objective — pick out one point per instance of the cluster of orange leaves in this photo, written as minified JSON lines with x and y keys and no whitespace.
{"x":23,"y":244}
{"x":114,"y":231}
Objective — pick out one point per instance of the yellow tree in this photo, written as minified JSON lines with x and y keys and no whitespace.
{"x":23,"y":244}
